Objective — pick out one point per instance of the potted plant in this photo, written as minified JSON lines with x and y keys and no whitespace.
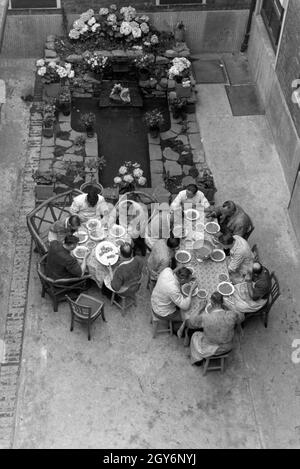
{"x":49,"y":119}
{"x":88,"y":120}
{"x":64,"y":101}
{"x":178,"y":107}
{"x":154,"y":119}
{"x":179,"y":32}
{"x":130,"y":175}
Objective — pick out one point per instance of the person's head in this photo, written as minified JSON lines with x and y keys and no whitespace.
{"x":256,"y":270}
{"x":134,"y":197}
{"x":229,"y":207}
{"x":216,"y":299}
{"x":92,"y":196}
{"x":173,"y":243}
{"x":230,"y":242}
{"x":126,"y":250}
{"x":74,"y":222}
{"x":184,"y":275}
{"x":70,"y":242}
{"x":191,"y":190}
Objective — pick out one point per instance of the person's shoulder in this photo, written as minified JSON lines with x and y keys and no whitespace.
{"x":101,"y":198}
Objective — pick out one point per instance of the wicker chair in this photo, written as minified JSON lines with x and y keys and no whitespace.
{"x":45,"y":214}
{"x":57,"y":289}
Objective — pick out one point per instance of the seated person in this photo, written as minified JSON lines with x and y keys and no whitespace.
{"x":161,"y":257}
{"x":218,"y":331}
{"x":133,"y":216}
{"x":167,"y":300}
{"x":61,"y":228}
{"x":241,"y":259}
{"x":158,"y":226}
{"x":233,"y":220}
{"x":60,"y":263}
{"x":128,"y":273}
{"x":190,"y":195}
{"x":89,"y":205}
{"x":251,"y":295}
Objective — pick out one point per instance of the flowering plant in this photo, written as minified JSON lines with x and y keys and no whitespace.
{"x":153,"y":118}
{"x":52,"y":72}
{"x":143,"y":61}
{"x":49,"y":110}
{"x":97,"y":62}
{"x":87,"y":119}
{"x":119,"y":93}
{"x":112,"y":23}
{"x":64,"y":96}
{"x":180,"y":68}
{"x":130,"y":173}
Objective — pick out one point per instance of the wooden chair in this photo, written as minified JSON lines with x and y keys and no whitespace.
{"x":221,"y":366}
{"x":274,"y":294}
{"x":57,"y":289}
{"x":156,"y":322}
{"x":246,"y":236}
{"x":44,"y":215}
{"x":86,"y":309}
{"x":126,"y":301}
{"x":255,"y":252}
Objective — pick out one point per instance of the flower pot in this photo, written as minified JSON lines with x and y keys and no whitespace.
{"x":154,"y":132}
{"x":183,"y":91}
{"x":90,"y":131}
{"x":179,"y":35}
{"x":65,"y":108}
{"x":52,"y":90}
{"x":48,"y":131}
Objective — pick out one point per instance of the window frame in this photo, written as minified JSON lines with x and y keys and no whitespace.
{"x":58,"y":6}
{"x":275,"y":6}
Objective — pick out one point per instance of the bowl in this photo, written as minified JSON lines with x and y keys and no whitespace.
{"x":202,"y":249}
{"x":225,"y":288}
{"x":217,"y":255}
{"x":208,"y":308}
{"x":223,"y":278}
{"x":212,"y":227}
{"x":183,"y":257}
{"x":202,"y":294}
{"x":186,"y":288}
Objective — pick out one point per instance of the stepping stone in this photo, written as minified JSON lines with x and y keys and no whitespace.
{"x":186,"y":168}
{"x":167,"y":134}
{"x":63,"y":143}
{"x":156,"y":179}
{"x":199,"y":156}
{"x":183,"y":139}
{"x":153,"y":140}
{"x":173,"y":168}
{"x":91,"y":147}
{"x":72,"y":157}
{"x":195,"y":142}
{"x":65,"y":126}
{"x":48,"y":142}
{"x":170,"y":154}
{"x":45,"y":165}
{"x":192,"y":128}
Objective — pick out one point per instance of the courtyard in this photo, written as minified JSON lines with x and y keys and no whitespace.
{"x":125,"y":389}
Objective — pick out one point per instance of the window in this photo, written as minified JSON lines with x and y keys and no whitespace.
{"x":33,"y":4}
{"x":181,"y":2}
{"x":272,"y":13}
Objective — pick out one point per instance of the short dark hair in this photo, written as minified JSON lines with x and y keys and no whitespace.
{"x":74,"y":220}
{"x":230,"y":240}
{"x":229,"y":204}
{"x":92,"y":196}
{"x":217,"y":298}
{"x":173,"y":243}
{"x":183,"y":273}
{"x":134,"y":197}
{"x":192,"y":188}
{"x":126,"y":250}
{"x":71,"y":239}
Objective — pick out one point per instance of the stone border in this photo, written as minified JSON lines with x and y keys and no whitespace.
{"x":16,"y":315}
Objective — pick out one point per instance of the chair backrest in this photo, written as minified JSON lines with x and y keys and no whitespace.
{"x":275,"y":290}
{"x":255,"y":252}
{"x":60,"y":283}
{"x":80,"y":311}
{"x":246,"y":236}
{"x":44,"y":215}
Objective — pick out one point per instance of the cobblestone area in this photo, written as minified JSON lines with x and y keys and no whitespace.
{"x":15,"y":319}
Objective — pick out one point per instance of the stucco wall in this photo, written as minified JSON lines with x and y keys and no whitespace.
{"x":262,"y":62}
{"x":210,"y":31}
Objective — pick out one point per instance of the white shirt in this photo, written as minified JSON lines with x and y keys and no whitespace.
{"x":81,"y":208}
{"x":181,"y":198}
{"x":167,"y":294}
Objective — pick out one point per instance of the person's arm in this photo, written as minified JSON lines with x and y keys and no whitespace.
{"x":73,"y":267}
{"x":235,"y":262}
{"x":52,"y":236}
{"x":205,"y":202}
{"x":83,"y":264}
{"x":176,"y":204}
{"x":75,"y":207}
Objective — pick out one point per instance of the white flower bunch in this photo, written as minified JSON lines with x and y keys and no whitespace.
{"x":103,"y":11}
{"x":180,"y":65}
{"x":125,"y":28}
{"x":154,"y":39}
{"x":111,"y":18}
{"x":128,"y":13}
{"x":130,"y":172}
{"x":97,"y":60}
{"x":53,"y":71}
{"x":86,"y":22}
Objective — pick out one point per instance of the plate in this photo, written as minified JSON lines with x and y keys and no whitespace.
{"x":198,"y":236}
{"x":183,"y":256}
{"x":80,"y":251}
{"x":224,"y":278}
{"x":192,"y":270}
{"x":208,"y":308}
{"x":186,"y":288}
{"x":225,"y":288}
{"x":202,"y":294}
{"x":217,"y":255}
{"x":83,"y":236}
{"x":98,"y":234}
{"x":90,"y":244}
{"x":107,"y":253}
{"x":191,"y":214}
{"x":117,"y":231}
{"x":199,"y":226}
{"x":93,"y":224}
{"x":212,"y":227}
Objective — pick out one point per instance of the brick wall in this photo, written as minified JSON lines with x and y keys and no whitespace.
{"x":288,"y":63}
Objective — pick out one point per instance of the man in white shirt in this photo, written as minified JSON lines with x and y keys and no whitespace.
{"x":190,"y":195}
{"x":167,"y":299}
{"x":89,"y":205}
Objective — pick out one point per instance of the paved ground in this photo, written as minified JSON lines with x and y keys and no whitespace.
{"x":18,"y":75}
{"x":125,"y":389}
